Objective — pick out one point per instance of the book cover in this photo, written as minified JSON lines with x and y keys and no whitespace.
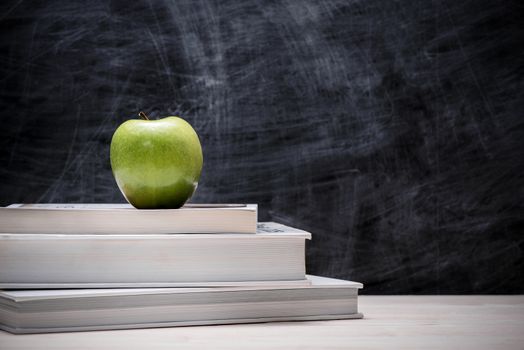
{"x":108,"y":218}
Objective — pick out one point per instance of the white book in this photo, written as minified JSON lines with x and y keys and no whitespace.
{"x":124,"y":219}
{"x":36,"y":311}
{"x":32,"y":261}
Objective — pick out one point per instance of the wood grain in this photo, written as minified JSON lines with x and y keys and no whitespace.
{"x":392,"y":322}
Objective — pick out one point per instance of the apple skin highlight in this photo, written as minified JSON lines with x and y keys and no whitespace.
{"x":156,"y":163}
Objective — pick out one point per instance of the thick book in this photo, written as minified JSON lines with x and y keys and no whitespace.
{"x":124,"y":219}
{"x":36,"y":261}
{"x":36,"y":311}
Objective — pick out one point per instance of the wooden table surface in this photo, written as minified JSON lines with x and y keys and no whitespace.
{"x":390,"y":322}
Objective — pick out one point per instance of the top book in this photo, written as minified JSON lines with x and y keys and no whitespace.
{"x":124,"y":219}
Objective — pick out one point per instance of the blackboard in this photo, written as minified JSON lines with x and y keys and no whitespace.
{"x":392,"y":130}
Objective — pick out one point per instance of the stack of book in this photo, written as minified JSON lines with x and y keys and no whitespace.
{"x":80,"y":267}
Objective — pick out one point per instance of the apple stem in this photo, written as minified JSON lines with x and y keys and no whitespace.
{"x":143,"y":115}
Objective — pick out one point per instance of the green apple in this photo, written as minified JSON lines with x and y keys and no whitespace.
{"x":156,"y":163}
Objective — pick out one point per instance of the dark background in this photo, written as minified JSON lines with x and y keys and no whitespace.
{"x":392,"y":130}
